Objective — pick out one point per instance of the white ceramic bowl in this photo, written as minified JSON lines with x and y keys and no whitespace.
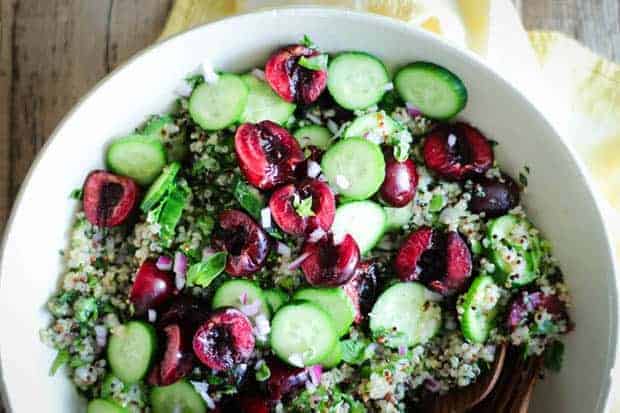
{"x":559,"y":198}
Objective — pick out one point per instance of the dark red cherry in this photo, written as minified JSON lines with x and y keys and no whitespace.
{"x":495,"y":197}
{"x":295,"y":83}
{"x":330,"y":264}
{"x":362,"y":289}
{"x":284,"y":379}
{"x":400,"y":183}
{"x":457,"y":151}
{"x":267,"y":154}
{"x":108,"y":199}
{"x":287,"y":216}
{"x":440,"y":260}
{"x":178,"y":359}
{"x":245,"y":242}
{"x":151,"y":288}
{"x":224,"y":340}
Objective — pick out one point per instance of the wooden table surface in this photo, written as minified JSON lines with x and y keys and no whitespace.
{"x":53,"y":51}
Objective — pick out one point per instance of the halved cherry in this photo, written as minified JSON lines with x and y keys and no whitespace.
{"x":527,"y":304}
{"x":282,"y":206}
{"x":330,"y":264}
{"x":457,"y":151}
{"x":284,"y":379}
{"x":177,"y":362}
{"x":268,"y":154}
{"x":295,"y":83}
{"x":151,"y":288}
{"x":245,"y":242}
{"x":441,"y":260}
{"x":362,"y":289}
{"x":494,"y":197}
{"x":108,"y":199}
{"x":400,"y":183}
{"x":224,"y":340}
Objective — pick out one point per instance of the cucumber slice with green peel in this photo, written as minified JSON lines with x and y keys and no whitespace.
{"x":355,"y":167}
{"x":365,"y":221}
{"x":480,"y":308}
{"x":357,"y":80}
{"x":232,"y":294}
{"x":160,"y":187}
{"x":104,"y":406}
{"x":376,"y":127}
{"x":407,"y":309}
{"x":276,"y":298}
{"x":180,"y":397}
{"x":302,"y":334}
{"x":217,"y":105}
{"x":130,"y":350}
{"x":314,"y":135}
{"x":396,"y":218}
{"x":434,"y":90}
{"x":263,"y":103}
{"x":156,"y":125}
{"x":138,"y":157}
{"x":335,"y":302}
{"x":333,"y":358}
{"x":513,"y":250}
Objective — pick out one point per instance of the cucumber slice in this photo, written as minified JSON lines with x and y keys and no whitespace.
{"x":263,"y":103}
{"x":355,"y":167}
{"x":513,"y":250}
{"x":104,"y":406}
{"x":160,"y":187}
{"x":218,"y":105}
{"x":376,"y":127}
{"x":180,"y":397}
{"x":138,"y":157}
{"x":175,"y":144}
{"x":315,"y":135}
{"x":232,"y":292}
{"x":480,"y":308}
{"x":408,"y":309}
{"x":335,"y":302}
{"x":365,"y":221}
{"x":437,"y":92}
{"x":357,"y":80}
{"x":302,"y":334}
{"x":333,"y":358}
{"x":130,"y":350}
{"x":398,"y":217}
{"x":276,"y":298}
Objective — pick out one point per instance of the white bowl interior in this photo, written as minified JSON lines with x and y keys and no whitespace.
{"x":558,"y":198}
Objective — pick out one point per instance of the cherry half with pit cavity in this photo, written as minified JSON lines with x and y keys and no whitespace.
{"x":287,"y":216}
{"x":268,"y":154}
{"x":441,"y":260}
{"x":328,"y":263}
{"x":245,"y":242}
{"x":457,"y":151}
{"x":108,"y":199}
{"x":224,"y":340}
{"x":362,"y":289}
{"x":293,"y":82}
{"x":151,"y":288}
{"x":177,"y":361}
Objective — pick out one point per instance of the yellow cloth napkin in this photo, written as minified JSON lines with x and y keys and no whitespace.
{"x":585,"y":88}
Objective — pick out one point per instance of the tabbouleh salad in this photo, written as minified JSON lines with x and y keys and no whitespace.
{"x":317,"y":236}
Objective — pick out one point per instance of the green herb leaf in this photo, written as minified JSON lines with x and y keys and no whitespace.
{"x":203,"y":273}
{"x":60,"y":360}
{"x":76,"y":194}
{"x":85,"y":309}
{"x":523,"y":179}
{"x":262,"y":372}
{"x":169,"y":213}
{"x":401,"y":141}
{"x":437,"y":203}
{"x":205,"y":224}
{"x":353,"y":351}
{"x":476,"y":246}
{"x":554,"y":356}
{"x":249,"y":198}
{"x":317,"y":63}
{"x":307,"y":41}
{"x":303,"y":207}
{"x":195,"y":80}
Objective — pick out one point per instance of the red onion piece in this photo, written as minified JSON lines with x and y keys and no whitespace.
{"x":413,"y":111}
{"x":315,"y":373}
{"x":164,"y":263}
{"x":180,"y":269}
{"x":298,"y":261}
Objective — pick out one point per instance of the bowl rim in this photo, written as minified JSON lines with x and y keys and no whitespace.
{"x":376,"y":20}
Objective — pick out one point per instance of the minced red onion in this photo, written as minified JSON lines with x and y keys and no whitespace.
{"x":251,"y":309}
{"x":258,"y":73}
{"x":402,"y":350}
{"x":152,"y":315}
{"x":432,"y":385}
{"x":261,"y":326}
{"x":164,"y":263}
{"x":315,"y":373}
{"x":298,"y":261}
{"x":207,"y":252}
{"x":180,"y":269}
{"x":101,"y":335}
{"x":316,"y":235}
{"x":265,"y":217}
{"x":314,"y":169}
{"x":283,"y":249}
{"x":412,"y":110}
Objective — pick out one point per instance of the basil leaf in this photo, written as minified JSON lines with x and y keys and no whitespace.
{"x":203,"y":273}
{"x":76,"y":194}
{"x":318,"y":62}
{"x":437,"y":203}
{"x":353,"y":351}
{"x":303,"y":207}
{"x":60,"y":360}
{"x":307,"y":41}
{"x":249,"y":198}
{"x":262,"y":372}
{"x":169,"y":213}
